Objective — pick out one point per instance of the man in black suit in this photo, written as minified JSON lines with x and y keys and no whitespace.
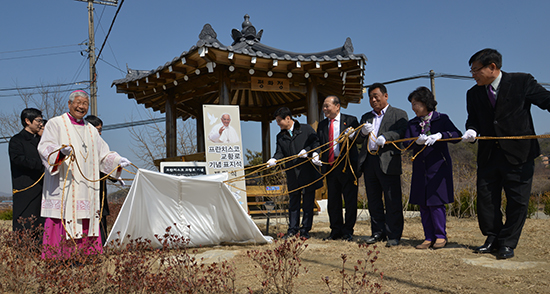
{"x":500,"y":105}
{"x":382,"y":168}
{"x":341,"y":180}
{"x":297,"y":139}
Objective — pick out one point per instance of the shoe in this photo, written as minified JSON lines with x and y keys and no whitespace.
{"x":487,"y":247}
{"x":439,"y":243}
{"x":304,"y":235}
{"x":425,"y":245}
{"x":347,"y":237}
{"x":392,"y":242}
{"x":505,"y":252}
{"x":374,"y":238}
{"x":332,"y":237}
{"x":289,"y":235}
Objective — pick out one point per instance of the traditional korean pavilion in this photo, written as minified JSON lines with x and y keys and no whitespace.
{"x":257,"y":77}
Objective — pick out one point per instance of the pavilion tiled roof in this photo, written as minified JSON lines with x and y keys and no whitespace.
{"x":192,"y":75}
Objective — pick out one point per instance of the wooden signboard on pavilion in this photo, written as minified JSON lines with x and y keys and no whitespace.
{"x":269,"y":84}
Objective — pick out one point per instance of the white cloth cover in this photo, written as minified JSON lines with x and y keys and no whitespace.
{"x":203,"y":207}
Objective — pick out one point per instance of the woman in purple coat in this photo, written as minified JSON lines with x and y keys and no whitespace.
{"x":432,"y":177}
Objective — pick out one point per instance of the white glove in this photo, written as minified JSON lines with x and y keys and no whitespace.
{"x":469,"y":136}
{"x":367,"y":128}
{"x":421,"y":139}
{"x":302,"y":154}
{"x":66,"y":150}
{"x":380,"y":141}
{"x":433,"y":138}
{"x":124,"y":162}
{"x":121,"y":182}
{"x":348,"y":130}
{"x":315,"y":159}
{"x":271,"y":162}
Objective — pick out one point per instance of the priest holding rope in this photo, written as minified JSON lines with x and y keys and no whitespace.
{"x":74,"y":153}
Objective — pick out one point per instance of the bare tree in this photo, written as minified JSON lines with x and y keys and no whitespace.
{"x":149,"y":141}
{"x":49,"y":100}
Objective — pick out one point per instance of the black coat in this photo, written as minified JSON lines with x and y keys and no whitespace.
{"x":346,"y":121}
{"x":303,"y":138}
{"x":510,"y":117}
{"x":26,"y":169}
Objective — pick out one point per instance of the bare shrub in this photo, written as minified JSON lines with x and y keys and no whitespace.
{"x":280,"y":265}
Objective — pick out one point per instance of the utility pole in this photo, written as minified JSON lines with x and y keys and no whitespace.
{"x":432,"y":80}
{"x":91,"y":50}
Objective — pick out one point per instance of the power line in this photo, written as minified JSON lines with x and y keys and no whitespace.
{"x":43,"y":86}
{"x":40,"y":55}
{"x":56,"y":91}
{"x":112,"y":127}
{"x":43,"y":48}
{"x":109,"y":31}
{"x":112,"y":65}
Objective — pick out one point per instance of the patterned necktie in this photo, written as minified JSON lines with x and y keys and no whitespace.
{"x":290,"y":132}
{"x":491,"y":94}
{"x":331,"y":139}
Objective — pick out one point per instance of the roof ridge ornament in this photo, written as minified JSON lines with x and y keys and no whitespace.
{"x":247,"y":34}
{"x":348,"y":46}
{"x":207,"y":35}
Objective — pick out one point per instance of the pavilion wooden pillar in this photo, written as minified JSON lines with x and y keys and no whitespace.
{"x":312,"y":101}
{"x":266,"y":137}
{"x":171,"y":127}
{"x":223,"y":80}
{"x":200,"y":131}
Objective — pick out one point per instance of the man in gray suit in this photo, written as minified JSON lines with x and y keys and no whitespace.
{"x":381,"y":165}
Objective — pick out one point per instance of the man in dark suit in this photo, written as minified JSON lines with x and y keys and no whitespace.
{"x":382,"y":168}
{"x":297,"y":139}
{"x":341,"y":180}
{"x":26,"y":169}
{"x":500,"y":105}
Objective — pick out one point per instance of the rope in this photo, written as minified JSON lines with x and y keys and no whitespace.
{"x":347,"y":145}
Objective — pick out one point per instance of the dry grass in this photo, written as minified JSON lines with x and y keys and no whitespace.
{"x":407,"y":270}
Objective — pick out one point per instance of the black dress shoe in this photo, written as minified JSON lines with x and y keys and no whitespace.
{"x":332,"y":237}
{"x":374,"y":238}
{"x":392,"y":242}
{"x":505,"y":252}
{"x":488,"y":247}
{"x":305,"y":235}
{"x":347,"y":237}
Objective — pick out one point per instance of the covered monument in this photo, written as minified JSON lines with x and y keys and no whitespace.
{"x":257,"y":77}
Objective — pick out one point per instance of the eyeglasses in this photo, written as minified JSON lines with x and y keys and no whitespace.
{"x":39,"y":120}
{"x":476,"y":70}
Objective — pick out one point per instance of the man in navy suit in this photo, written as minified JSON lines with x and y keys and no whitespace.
{"x":500,"y":105}
{"x":381,"y":166}
{"x":342,"y":179}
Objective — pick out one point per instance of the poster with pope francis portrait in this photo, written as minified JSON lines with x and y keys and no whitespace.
{"x":223,"y":146}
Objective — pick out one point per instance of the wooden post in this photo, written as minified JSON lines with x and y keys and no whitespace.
{"x":171,"y":127}
{"x":224,"y":85}
{"x":266,"y":138}
{"x":200,"y":131}
{"x":432,"y":80}
{"x":312,"y":98}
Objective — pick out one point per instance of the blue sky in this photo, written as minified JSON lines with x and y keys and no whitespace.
{"x":399,"y":38}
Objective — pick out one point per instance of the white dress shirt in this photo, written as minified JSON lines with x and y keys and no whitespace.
{"x":376,"y":124}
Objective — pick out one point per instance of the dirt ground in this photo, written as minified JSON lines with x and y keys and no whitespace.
{"x":454,"y":269}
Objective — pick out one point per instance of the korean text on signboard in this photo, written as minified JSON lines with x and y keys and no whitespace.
{"x":269,"y":84}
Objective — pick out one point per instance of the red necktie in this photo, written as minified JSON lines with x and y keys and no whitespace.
{"x":331,"y":139}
